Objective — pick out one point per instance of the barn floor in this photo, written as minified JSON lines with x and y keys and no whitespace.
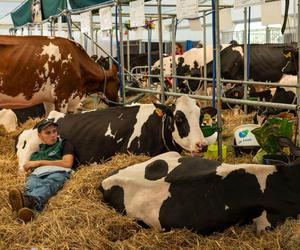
{"x":77,"y":219}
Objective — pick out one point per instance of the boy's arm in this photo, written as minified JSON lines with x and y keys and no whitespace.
{"x":66,"y":162}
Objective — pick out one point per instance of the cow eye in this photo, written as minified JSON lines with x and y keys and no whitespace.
{"x":24,"y":144}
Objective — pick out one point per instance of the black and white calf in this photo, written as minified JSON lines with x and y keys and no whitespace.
{"x":170,"y":191}
{"x":142,"y":129}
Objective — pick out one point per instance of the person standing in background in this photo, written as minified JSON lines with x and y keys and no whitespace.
{"x":178,"y":49}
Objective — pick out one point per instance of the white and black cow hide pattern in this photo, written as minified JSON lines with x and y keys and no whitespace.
{"x":187,"y":64}
{"x":170,"y":191}
{"x":144,"y":129}
{"x":280,"y":94}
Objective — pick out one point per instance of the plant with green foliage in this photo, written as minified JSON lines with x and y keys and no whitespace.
{"x":267,"y":134}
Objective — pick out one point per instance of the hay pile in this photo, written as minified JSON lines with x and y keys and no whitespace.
{"x":77,"y":219}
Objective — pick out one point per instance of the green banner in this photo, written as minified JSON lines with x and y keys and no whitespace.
{"x":53,"y":7}
{"x":77,"y":4}
{"x":49,"y":8}
{"x":23,"y":14}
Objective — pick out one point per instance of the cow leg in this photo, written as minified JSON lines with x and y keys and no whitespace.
{"x":48,"y":106}
{"x":262,"y":223}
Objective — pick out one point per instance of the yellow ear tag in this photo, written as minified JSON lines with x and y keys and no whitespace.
{"x":159,"y":112}
{"x":288,"y":54}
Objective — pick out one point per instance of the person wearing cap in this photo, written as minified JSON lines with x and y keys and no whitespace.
{"x":48,"y":169}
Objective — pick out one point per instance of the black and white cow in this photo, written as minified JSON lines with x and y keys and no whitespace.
{"x":170,"y":191}
{"x":266,"y":63}
{"x":281,"y":94}
{"x":11,"y":118}
{"x":187,"y":64}
{"x":141,"y":129}
{"x":135,"y":60}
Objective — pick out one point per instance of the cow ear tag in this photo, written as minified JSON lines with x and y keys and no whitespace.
{"x":159,"y":112}
{"x":288,"y":54}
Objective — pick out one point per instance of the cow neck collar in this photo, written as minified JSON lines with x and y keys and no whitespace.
{"x":101,"y":95}
{"x":105,"y":81}
{"x":167,"y":124}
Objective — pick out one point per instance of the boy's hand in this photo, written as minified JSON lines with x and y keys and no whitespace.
{"x":30,"y":165}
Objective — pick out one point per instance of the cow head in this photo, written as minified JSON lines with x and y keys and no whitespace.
{"x":27,"y":142}
{"x":291,"y":68}
{"x":103,"y":62}
{"x":184,"y":124}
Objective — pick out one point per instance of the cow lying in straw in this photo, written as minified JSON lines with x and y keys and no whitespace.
{"x":170,"y":191}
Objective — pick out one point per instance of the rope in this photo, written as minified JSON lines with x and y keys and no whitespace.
{"x":200,"y":82}
{"x":164,"y":118}
{"x":163,"y":131}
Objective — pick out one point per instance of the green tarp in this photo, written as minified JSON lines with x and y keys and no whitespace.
{"x":77,"y":4}
{"x":23,"y":14}
{"x":53,"y":7}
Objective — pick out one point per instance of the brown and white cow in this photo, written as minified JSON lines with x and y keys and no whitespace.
{"x":54,"y":70}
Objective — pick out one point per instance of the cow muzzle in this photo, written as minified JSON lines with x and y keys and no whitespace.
{"x":200,"y":147}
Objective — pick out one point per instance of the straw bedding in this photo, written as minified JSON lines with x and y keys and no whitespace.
{"x":76,"y":218}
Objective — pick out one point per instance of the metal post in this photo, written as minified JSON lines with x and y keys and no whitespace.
{"x":173,"y":27}
{"x":268,"y":35}
{"x":218,"y":79}
{"x":92,"y":33}
{"x":53,"y":27}
{"x":295,"y":21}
{"x":162,"y":97}
{"x":121,"y":50}
{"x":298,"y":76}
{"x":204,"y":54}
{"x":140,"y":47}
{"x":97,"y":42}
{"x":245,"y":58}
{"x":111,"y":46}
{"x":69,"y":23}
{"x":128,"y":51}
{"x":149,"y":57}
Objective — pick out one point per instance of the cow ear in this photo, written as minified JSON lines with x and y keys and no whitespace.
{"x":287,"y":54}
{"x":114,"y":68}
{"x":162,"y":109}
{"x":209,"y":110}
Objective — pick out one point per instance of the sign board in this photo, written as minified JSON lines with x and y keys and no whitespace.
{"x":186,"y":9}
{"x":105,"y":18}
{"x":271,"y":17}
{"x":247,"y":3}
{"x":85,"y":22}
{"x":195,"y":25}
{"x":137,"y":13}
{"x":226,"y":20}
